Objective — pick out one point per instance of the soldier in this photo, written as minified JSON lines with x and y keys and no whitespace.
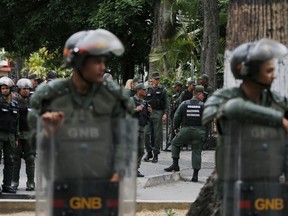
{"x":204,"y":81}
{"x":188,"y":116}
{"x":52,"y":75}
{"x":252,"y":121}
{"x":87,"y":117}
{"x":142,"y":110}
{"x":157,"y":98}
{"x":9,"y":119}
{"x":187,"y":94}
{"x":134,"y":83}
{"x":24,"y":148}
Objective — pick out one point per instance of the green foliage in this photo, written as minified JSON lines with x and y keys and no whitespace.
{"x":170,"y":212}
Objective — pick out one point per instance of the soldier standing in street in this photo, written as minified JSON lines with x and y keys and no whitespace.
{"x":24,"y":148}
{"x":9,"y":119}
{"x":188,"y":116}
{"x":204,"y":81}
{"x":187,"y":94}
{"x":142,"y":112}
{"x":157,"y":98}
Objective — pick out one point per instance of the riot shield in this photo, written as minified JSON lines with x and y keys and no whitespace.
{"x":76,"y":162}
{"x":249,"y":161}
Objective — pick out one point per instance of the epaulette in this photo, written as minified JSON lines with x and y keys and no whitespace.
{"x":48,"y":91}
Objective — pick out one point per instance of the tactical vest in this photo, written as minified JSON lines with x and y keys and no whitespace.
{"x":187,"y":95}
{"x":23,"y":112}
{"x":155,"y":97}
{"x":84,"y":145}
{"x":192,"y":113}
{"x":8,"y":116}
{"x":143,"y":115}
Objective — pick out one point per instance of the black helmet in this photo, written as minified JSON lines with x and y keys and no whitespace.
{"x":24,"y":83}
{"x":247,"y":55}
{"x":90,"y":43}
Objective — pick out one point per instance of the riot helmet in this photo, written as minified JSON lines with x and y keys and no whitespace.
{"x":6,"y":81}
{"x":24,"y":83}
{"x":247,"y":57}
{"x":90,"y":43}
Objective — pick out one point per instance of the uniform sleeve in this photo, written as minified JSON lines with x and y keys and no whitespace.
{"x":178,"y":115}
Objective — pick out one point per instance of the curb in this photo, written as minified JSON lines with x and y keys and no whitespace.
{"x":12,"y":206}
{"x":162,"y":179}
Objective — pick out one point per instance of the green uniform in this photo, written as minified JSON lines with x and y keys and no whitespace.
{"x":157,"y":98}
{"x":251,"y":143}
{"x":95,"y":112}
{"x":143,"y":117}
{"x":24,"y":149}
{"x":188,"y":115}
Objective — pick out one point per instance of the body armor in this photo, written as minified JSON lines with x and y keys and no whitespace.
{"x":156,"y":98}
{"x":192,"y":113}
{"x":143,"y":115}
{"x":23,"y":112}
{"x":8,"y":116}
{"x":187,"y":95}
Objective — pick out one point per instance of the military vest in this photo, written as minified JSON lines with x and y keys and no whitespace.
{"x":187,"y":95}
{"x":192,"y":113}
{"x":8,"y":116}
{"x":143,"y":115}
{"x":156,"y":98}
{"x":24,"y":108}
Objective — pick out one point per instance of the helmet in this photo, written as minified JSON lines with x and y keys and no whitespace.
{"x":90,"y":43}
{"x":24,"y":83}
{"x":6,"y":81}
{"x":52,"y":74}
{"x":247,"y":56}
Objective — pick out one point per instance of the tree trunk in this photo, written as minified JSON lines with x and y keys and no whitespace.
{"x":247,"y":21}
{"x":210,"y":40}
{"x":250,"y":21}
{"x":18,"y":67}
{"x":163,"y":27}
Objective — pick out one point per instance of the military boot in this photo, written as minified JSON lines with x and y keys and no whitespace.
{"x":148,"y":156}
{"x":155,"y":158}
{"x":30,"y":171}
{"x":174,"y":167}
{"x":7,"y":180}
{"x":16,"y":172}
{"x":195,"y":175}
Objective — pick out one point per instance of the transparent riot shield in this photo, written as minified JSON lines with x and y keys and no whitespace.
{"x":75,"y":164}
{"x":249,"y":161}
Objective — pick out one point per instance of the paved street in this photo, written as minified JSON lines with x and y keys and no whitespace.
{"x":157,"y":186}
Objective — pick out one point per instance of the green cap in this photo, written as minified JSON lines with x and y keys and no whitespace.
{"x":199,"y":89}
{"x":139,"y":86}
{"x":204,"y":77}
{"x":177,"y":83}
{"x":155,"y":75}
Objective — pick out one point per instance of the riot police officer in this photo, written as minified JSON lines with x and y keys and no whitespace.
{"x":142,"y":110}
{"x":157,"y":98}
{"x":88,"y":118}
{"x":252,"y":121}
{"x":9,"y":119}
{"x":24,"y":148}
{"x":189,"y":115}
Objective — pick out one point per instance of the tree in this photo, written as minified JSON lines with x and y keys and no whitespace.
{"x":253,"y":21}
{"x":210,"y":40}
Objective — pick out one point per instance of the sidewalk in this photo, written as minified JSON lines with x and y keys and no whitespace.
{"x":157,"y":190}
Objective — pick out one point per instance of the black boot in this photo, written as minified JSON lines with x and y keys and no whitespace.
{"x":174,"y":167}
{"x":30,"y":171}
{"x":16,"y":172}
{"x":195,"y":175}
{"x":155,"y":158}
{"x":7,"y":180}
{"x":148,"y":156}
